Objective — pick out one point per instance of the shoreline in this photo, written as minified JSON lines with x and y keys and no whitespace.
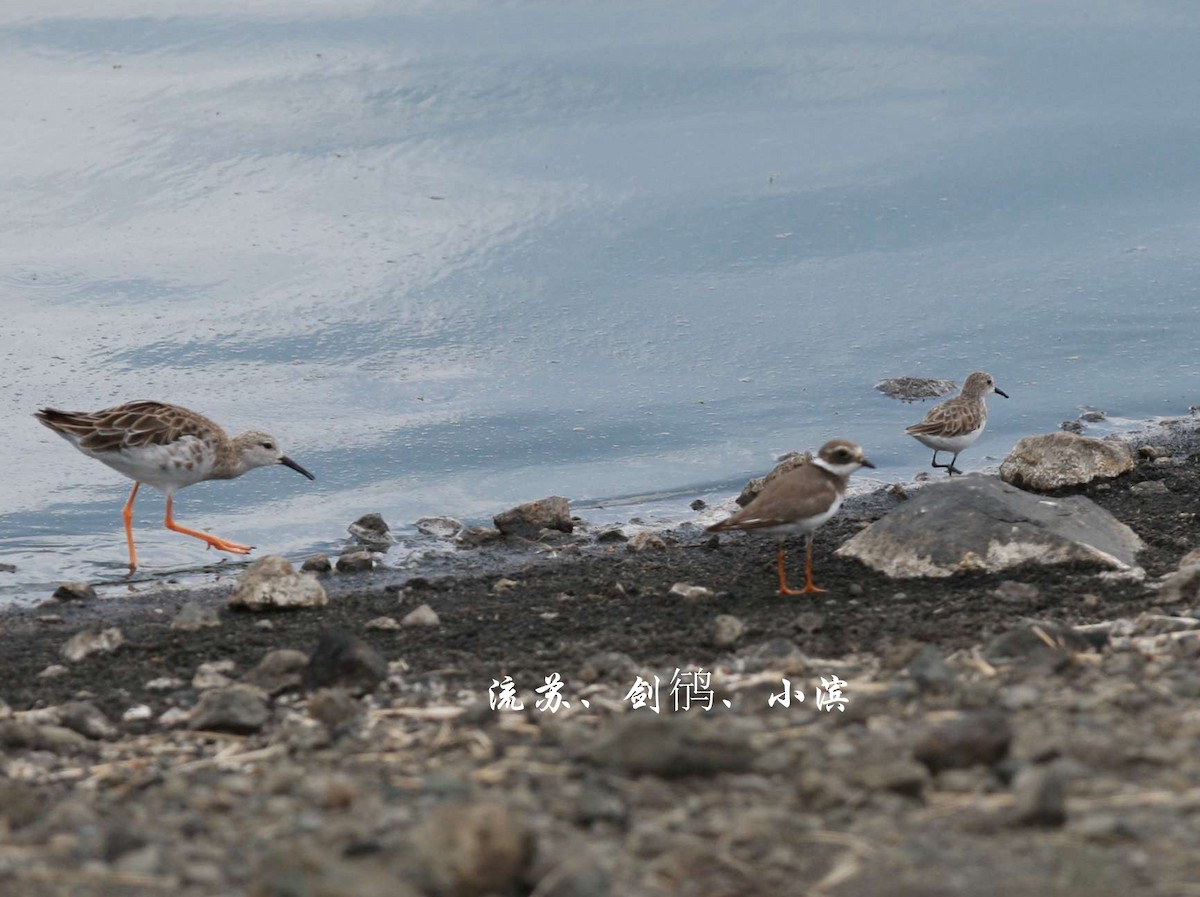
{"x":951,"y":770}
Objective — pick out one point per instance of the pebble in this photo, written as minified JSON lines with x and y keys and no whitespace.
{"x":1149,"y":487}
{"x":74,"y":591}
{"x":333,"y":708}
{"x":475,"y":536}
{"x":372,"y":532}
{"x":194,"y":616}
{"x":1020,"y":697}
{"x":137,"y":713}
{"x":727,"y":630}
{"x":439,"y":527}
{"x":930,"y":672}
{"x":646,"y":542}
{"x":213,"y":674}
{"x":164,"y":683}
{"x":384,"y":624}
{"x":421,"y":616}
{"x":690,"y":592}
{"x":529,"y":519}
{"x":87,"y":719}
{"x":87,"y":642}
{"x":317,"y":563}
{"x":698,"y":505}
{"x":978,"y":737}
{"x":356,"y":562}
{"x":50,"y":672}
{"x":270,"y":583}
{"x":239,"y":709}
{"x":1041,"y":797}
{"x":473,"y":849}
{"x":341,"y":660}
{"x":500,"y":586}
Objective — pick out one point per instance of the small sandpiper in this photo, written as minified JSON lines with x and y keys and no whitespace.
{"x":798,"y":502}
{"x":166,"y":447}
{"x":956,"y":423}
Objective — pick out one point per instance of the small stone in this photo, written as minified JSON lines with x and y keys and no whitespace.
{"x":49,"y":619}
{"x":1149,"y":487}
{"x":646,"y":542}
{"x":505,"y":585}
{"x":900,"y":776}
{"x":278,"y":671}
{"x":213,"y":674}
{"x":612,"y":535}
{"x":194,"y":616}
{"x":87,"y":720}
{"x":164,"y":683}
{"x":1104,"y":828}
{"x":1093,"y":416}
{"x":333,"y":708}
{"x":239,"y":709}
{"x":1039,"y":642}
{"x":670,"y":746}
{"x":341,"y":660}
{"x":473,"y":849}
{"x":356,"y":562}
{"x":264,"y":624}
{"x":727,"y":630}
{"x":698,"y":505}
{"x":372,"y":532}
{"x":1012,"y":592}
{"x":53,"y":671}
{"x":20,"y":803}
{"x":421,"y":616}
{"x":810,"y":621}
{"x":173,"y":718}
{"x":529,"y":519}
{"x":981,"y":737}
{"x":270,"y":583}
{"x":74,"y":591}
{"x":316,"y":563}
{"x":383,"y":624}
{"x":690,"y":592}
{"x":1020,"y":697}
{"x":476,"y":536}
{"x":138,"y":713}
{"x":1056,"y":460}
{"x":930,"y":672}
{"x":1071,"y":426}
{"x":1041,"y":793}
{"x":84,"y":643}
{"x":439,"y":527}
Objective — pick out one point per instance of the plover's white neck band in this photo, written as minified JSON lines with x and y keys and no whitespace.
{"x":838,"y":470}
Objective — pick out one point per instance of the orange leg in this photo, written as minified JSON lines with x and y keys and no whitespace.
{"x":127,"y":516}
{"x":213,"y":541}
{"x":809,"y":588}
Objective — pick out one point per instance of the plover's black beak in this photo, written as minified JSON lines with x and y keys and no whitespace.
{"x":288,"y":462}
{"x":865,"y":463}
{"x":1000,"y":392}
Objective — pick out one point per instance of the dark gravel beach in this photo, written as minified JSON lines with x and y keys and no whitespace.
{"x":977,"y":752}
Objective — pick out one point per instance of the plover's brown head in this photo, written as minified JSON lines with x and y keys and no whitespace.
{"x":842,"y":457}
{"x":979,"y":384}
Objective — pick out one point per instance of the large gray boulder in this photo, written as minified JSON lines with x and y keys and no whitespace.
{"x":978,"y":523}
{"x":1057,"y":460}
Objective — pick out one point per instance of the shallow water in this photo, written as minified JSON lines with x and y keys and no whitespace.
{"x":457,"y":256}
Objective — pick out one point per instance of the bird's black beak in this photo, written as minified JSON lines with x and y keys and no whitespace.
{"x":1000,"y":392}
{"x":865,"y":463}
{"x":288,"y":462}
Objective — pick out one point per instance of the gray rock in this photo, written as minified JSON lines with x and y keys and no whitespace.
{"x":1056,"y":460}
{"x":698,"y":505}
{"x":372,"y":532}
{"x":334,"y":708}
{"x":213,"y":674}
{"x":612,"y":535}
{"x":646,"y":542}
{"x":529,"y":519}
{"x":788,"y":462}
{"x":270,"y":583}
{"x":356,"y":561}
{"x":74,"y":591}
{"x":239,"y":709}
{"x":278,"y":671}
{"x":986,"y":525}
{"x":421,"y":616}
{"x":194,"y":616}
{"x":439,"y":527}
{"x":1149,"y":487}
{"x":88,"y":642}
{"x":317,"y":563}
{"x":909,"y":389}
{"x":1019,"y":593}
{"x":87,"y":719}
{"x":1071,"y":426}
{"x":382,"y":624}
{"x":1041,"y":793}
{"x":727,"y":630}
{"x":670,"y":746}
{"x":1183,"y":584}
{"x":475,"y":536}
{"x":979,"y":737}
{"x":689,"y":591}
{"x":341,"y":660}
{"x":1094,"y":416}
{"x":930,"y":672}
{"x":1039,"y":643}
{"x":473,"y":849}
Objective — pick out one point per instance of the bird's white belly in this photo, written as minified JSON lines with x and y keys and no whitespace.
{"x":805,"y":526}
{"x":948,"y":443}
{"x":163,"y":467}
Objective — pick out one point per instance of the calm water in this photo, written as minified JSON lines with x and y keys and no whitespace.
{"x":460,"y":255}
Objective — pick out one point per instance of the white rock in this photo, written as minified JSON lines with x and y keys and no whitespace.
{"x":271,"y":583}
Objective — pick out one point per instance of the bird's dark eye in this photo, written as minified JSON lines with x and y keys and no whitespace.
{"x":266,"y":445}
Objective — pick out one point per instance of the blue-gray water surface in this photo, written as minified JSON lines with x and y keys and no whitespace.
{"x":460,"y":255}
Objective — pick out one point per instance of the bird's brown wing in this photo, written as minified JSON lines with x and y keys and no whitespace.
{"x":796,"y":495}
{"x":950,"y":418}
{"x":132,"y":425}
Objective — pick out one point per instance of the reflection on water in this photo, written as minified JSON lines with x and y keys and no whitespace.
{"x":457,"y":256}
